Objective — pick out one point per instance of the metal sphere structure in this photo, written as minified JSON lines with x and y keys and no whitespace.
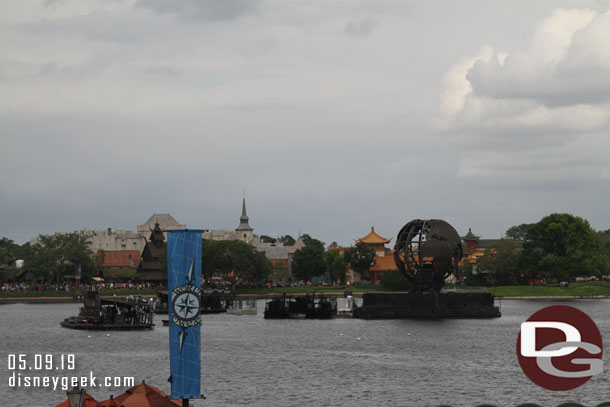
{"x":427,"y":252}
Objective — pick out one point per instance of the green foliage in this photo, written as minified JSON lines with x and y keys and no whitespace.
{"x":518,"y":232}
{"x":235,"y":260}
{"x":310,"y":241}
{"x":360,"y":258}
{"x":473,"y":278}
{"x":57,"y":256}
{"x":563,"y":246}
{"x":268,"y":239}
{"x":574,"y":289}
{"x":110,"y":274}
{"x":308,"y":261}
{"x":394,"y":280}
{"x":286,"y":240}
{"x":502,"y":261}
{"x":335,"y":265}
{"x":9,"y":252}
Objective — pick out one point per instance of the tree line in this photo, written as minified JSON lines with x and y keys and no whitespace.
{"x":560,"y":247}
{"x":57,"y":257}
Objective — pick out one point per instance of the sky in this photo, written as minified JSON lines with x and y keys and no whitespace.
{"x":332,"y":116}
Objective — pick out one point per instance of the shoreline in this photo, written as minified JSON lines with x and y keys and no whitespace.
{"x":12,"y":300}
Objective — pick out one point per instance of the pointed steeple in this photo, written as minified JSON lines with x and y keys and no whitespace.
{"x":243,"y":219}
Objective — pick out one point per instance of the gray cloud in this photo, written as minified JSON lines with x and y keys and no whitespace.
{"x":112,"y":111}
{"x":202,"y":10}
{"x":360,"y":28}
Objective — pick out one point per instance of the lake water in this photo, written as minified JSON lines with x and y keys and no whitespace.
{"x":248,"y":360}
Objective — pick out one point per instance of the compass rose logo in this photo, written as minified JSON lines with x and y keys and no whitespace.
{"x":185,"y":305}
{"x":186,"y":302}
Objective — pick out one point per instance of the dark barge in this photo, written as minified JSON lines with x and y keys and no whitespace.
{"x":213,"y":301}
{"x":307,"y":306}
{"x":117,"y":315}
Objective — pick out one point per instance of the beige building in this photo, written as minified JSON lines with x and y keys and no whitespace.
{"x":166,"y":222}
{"x":113,"y":240}
{"x":109,"y":240}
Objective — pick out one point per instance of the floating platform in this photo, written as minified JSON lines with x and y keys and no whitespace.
{"x":301,"y":307}
{"x":427,"y":306}
{"x":243,"y":307}
{"x":133,"y":313}
{"x":77,"y":323}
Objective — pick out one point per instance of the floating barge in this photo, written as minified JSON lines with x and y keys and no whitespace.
{"x":133,"y":313}
{"x":301,"y":307}
{"x":243,"y":307}
{"x":213,"y":301}
{"x":427,"y":306}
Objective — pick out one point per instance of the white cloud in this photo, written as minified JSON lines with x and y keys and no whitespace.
{"x":514,"y":114}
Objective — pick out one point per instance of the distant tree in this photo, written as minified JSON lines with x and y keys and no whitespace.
{"x":286,"y":240}
{"x":308,"y":262}
{"x":518,"y":232}
{"x":235,"y":260}
{"x":335,"y":265}
{"x":6,"y":243}
{"x":9,"y":251}
{"x":360,"y":258}
{"x":59,"y":255}
{"x":603,"y":241}
{"x":268,"y":239}
{"x":503,"y":262}
{"x":464,"y":270}
{"x":562,"y":246}
{"x":310,"y":241}
{"x":333,"y":245}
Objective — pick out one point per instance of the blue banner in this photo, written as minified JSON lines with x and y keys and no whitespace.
{"x":184,"y":284}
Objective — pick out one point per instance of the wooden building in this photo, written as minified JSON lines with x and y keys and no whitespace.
{"x":150,"y":265}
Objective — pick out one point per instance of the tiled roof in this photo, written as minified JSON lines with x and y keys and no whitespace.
{"x":121,"y":258}
{"x":384,"y":263}
{"x":470,"y":235}
{"x":299,"y":244}
{"x":373,"y":238}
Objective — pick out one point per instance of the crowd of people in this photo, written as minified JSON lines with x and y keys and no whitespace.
{"x":13,"y":287}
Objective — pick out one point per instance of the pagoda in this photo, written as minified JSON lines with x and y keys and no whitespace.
{"x":375,"y":241}
{"x":383,"y":262}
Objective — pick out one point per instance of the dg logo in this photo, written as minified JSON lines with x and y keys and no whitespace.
{"x":560,"y":348}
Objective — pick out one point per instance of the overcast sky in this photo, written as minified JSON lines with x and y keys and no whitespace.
{"x":333,"y":115}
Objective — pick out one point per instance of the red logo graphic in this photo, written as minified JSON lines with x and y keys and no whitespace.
{"x":560,"y":348}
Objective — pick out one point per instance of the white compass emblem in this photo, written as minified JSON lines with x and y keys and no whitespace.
{"x":186,"y":305}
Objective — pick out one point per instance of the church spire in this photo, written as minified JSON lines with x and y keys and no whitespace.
{"x":243,"y":219}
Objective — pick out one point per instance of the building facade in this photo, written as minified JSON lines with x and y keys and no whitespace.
{"x":243,"y":232}
{"x":166,"y":222}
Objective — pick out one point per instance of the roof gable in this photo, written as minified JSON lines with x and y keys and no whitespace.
{"x":373,"y":238}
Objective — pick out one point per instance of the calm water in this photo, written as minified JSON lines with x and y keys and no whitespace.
{"x":251,"y":361}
